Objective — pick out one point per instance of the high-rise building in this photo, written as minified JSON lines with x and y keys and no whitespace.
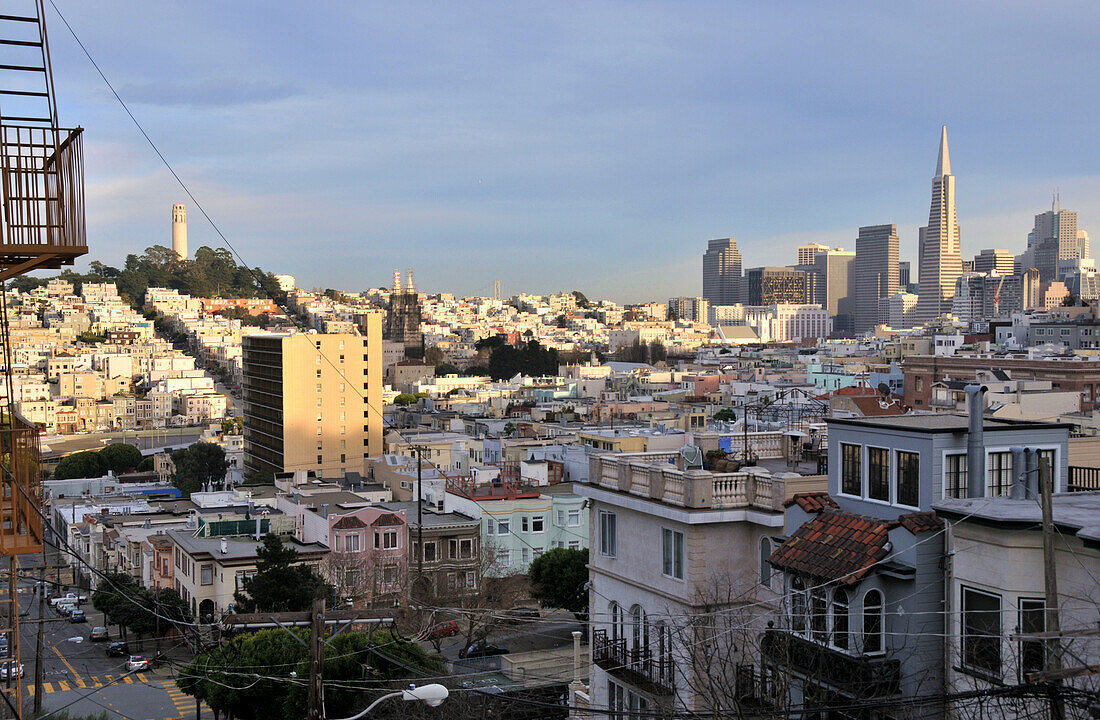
{"x":1054,"y":238}
{"x":722,"y":272}
{"x":876,"y":270}
{"x":995,"y":262}
{"x":905,"y":275}
{"x":896,"y":310}
{"x":772,"y":285}
{"x":693,"y":309}
{"x":808,"y":253}
{"x":939,"y":244}
{"x":1083,"y":250}
{"x":834,"y":288}
{"x":179,"y":231}
{"x":312,"y":402}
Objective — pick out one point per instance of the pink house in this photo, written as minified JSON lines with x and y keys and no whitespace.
{"x":369,"y":556}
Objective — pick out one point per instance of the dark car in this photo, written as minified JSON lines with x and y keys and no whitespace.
{"x":77,"y":616}
{"x":522,"y":614}
{"x":99,"y":634}
{"x":442,"y":630}
{"x":481,"y":649}
{"x":118,"y":649}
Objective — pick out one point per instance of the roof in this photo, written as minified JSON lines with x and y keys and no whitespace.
{"x":348,"y":522}
{"x":844,"y":546}
{"x":873,"y":407}
{"x":388,"y":519}
{"x":430,"y":518}
{"x":943,"y":423}
{"x":812,"y":502}
{"x":1075,"y":512}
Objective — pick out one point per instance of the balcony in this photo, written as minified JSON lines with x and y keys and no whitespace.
{"x":858,"y":677}
{"x":653,"y":476}
{"x":637,"y":667}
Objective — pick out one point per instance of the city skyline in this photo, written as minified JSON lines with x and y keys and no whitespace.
{"x":449,"y":154}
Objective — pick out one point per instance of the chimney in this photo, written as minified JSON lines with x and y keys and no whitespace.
{"x":1019,"y":472}
{"x":258,"y":534}
{"x":225,"y":546}
{"x":975,"y":442}
{"x":324,"y":510}
{"x":1032,"y":474}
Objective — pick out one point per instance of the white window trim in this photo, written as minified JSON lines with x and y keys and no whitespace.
{"x":895,"y":465}
{"x":890,"y":480}
{"x":862,"y":469}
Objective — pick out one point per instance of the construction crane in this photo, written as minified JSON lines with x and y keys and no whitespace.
{"x":41,"y":227}
{"x":997,"y":298}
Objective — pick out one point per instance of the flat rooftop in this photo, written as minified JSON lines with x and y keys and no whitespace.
{"x":942,"y":422}
{"x":1076,"y":512}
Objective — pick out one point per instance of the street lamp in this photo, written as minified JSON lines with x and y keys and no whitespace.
{"x":432,"y":695}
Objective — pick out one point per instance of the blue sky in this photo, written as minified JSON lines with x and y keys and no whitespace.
{"x":587,"y":145}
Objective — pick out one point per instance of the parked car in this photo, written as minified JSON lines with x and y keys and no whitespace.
{"x":442,"y":630}
{"x":65,"y":609}
{"x":137,"y":662}
{"x":481,"y":649}
{"x":522,"y":614}
{"x":5,"y":667}
{"x":68,"y":598}
{"x":99,"y":633}
{"x":118,"y":649}
{"x":77,"y":616}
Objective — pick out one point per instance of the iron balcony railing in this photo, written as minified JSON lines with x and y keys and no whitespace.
{"x":853,"y":675}
{"x":637,"y":666}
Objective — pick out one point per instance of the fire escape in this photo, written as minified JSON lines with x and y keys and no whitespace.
{"x":42,"y":214}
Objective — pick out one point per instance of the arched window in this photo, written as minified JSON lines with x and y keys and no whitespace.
{"x":872,"y":622}
{"x":798,"y":606}
{"x":840,"y":619}
{"x":765,"y":566}
{"x":639,"y":632}
{"x":616,"y":613}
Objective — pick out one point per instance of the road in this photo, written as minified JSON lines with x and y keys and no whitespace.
{"x":553,"y":630}
{"x":78,"y":674}
{"x":143,"y":439}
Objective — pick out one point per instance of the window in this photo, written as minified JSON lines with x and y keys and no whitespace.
{"x":471,"y":580}
{"x":616,"y":613}
{"x":981,"y":621}
{"x":908,"y":479}
{"x":490,"y":526}
{"x":538,"y":524}
{"x":523,"y":524}
{"x":798,"y":606}
{"x":819,"y":615}
{"x":878,"y":474}
{"x":465,"y":549}
{"x":206,"y":575}
{"x":560,"y":515}
{"x":1049,"y":456}
{"x":840,"y":619}
{"x":574,"y":518}
{"x":506,"y":557}
{"x":389,"y":540}
{"x":872,"y":622}
{"x":851,"y":469}
{"x":999,"y":482}
{"x":389,"y":575}
{"x":1032,"y":652}
{"x":954,"y":476}
{"x":537,"y":550}
{"x":525,"y":555}
{"x":672,"y":553}
{"x":765,"y":566}
{"x":351,"y":542}
{"x":429,"y":552}
{"x":573,"y":544}
{"x":504,"y":527}
{"x":607,"y":533}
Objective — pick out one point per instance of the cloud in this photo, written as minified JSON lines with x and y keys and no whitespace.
{"x":210,"y":93}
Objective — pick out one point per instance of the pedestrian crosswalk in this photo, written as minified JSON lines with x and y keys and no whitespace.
{"x":185,"y":704}
{"x":90,"y":683}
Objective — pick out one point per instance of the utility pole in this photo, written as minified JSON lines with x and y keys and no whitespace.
{"x":39,"y":640}
{"x":1050,"y":583}
{"x":316,"y":659}
{"x":419,"y":516}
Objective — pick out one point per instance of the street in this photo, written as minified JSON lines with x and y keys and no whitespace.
{"x":553,"y":630}
{"x":78,"y":674}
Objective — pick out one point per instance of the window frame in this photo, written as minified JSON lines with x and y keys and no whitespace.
{"x":845,"y":474}
{"x":880,"y":616}
{"x":1003,"y":473}
{"x":1026,"y":647}
{"x":673,"y":551}
{"x":967,"y":653}
{"x":840,"y":601}
{"x":958,"y":474}
{"x":765,"y":566}
{"x":898,"y":472}
{"x":886,"y":478}
{"x":607,"y":536}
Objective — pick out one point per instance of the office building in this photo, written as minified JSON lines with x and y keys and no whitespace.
{"x":722,"y":272}
{"x":995,"y":262}
{"x":179,"y":231}
{"x":876,"y":269}
{"x":1054,"y":238}
{"x":313,"y":402}
{"x":692,"y":309}
{"x":896,"y":311}
{"x":904,"y":275}
{"x":772,"y":285}
{"x":939,"y":244}
{"x":807,"y":254}
{"x":833,"y":286}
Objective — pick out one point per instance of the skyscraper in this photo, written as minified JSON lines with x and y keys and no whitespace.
{"x":722,"y":272}
{"x":876,"y":269}
{"x":940,"y":259}
{"x":835,"y":286}
{"x":807,"y":253}
{"x":1054,"y":238}
{"x":771,"y":285}
{"x":179,"y":231}
{"x":904,"y":275}
{"x":994,"y":261}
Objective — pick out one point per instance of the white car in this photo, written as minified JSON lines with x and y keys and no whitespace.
{"x":137,"y":662}
{"x":4,"y":669}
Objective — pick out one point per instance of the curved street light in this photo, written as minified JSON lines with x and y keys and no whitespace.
{"x":432,"y":695}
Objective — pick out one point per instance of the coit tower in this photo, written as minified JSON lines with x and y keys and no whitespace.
{"x":179,"y":231}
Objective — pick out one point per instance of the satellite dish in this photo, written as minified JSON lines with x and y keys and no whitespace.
{"x":884,"y":389}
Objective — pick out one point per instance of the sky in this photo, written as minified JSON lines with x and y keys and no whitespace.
{"x":585,"y":145}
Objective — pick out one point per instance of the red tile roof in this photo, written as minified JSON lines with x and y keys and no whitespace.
{"x":919,"y":522}
{"x":348,"y":521}
{"x":388,"y":519}
{"x":834,"y":546}
{"x":812,"y":502}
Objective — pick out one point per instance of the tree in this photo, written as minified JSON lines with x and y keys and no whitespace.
{"x":582,"y":301}
{"x":725,"y":415}
{"x":558,"y":579}
{"x":509,"y":429}
{"x":446,"y":369}
{"x":198,"y":466}
{"x":121,"y":457}
{"x":404,"y":399}
{"x":137,"y":609}
{"x":280,"y":583}
{"x":433,"y":356}
{"x":86,"y":464}
{"x":233,"y":426}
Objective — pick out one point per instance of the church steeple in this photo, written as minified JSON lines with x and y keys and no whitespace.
{"x":943,"y":165}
